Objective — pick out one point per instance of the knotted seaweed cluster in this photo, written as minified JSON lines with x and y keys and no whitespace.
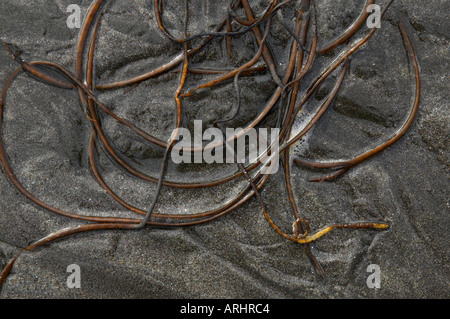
{"x":285,"y":100}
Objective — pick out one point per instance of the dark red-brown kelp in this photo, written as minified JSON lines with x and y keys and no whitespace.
{"x":286,"y":99}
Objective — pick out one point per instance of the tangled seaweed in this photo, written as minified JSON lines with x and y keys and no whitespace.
{"x":286,"y":100}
